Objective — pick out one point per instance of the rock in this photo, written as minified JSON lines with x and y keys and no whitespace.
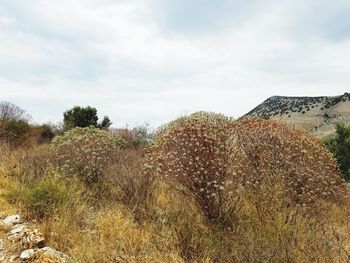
{"x":27,"y":254}
{"x":32,"y":238}
{"x":15,"y":237}
{"x":59,"y":255}
{"x":12,"y":220}
{"x":18,"y":229}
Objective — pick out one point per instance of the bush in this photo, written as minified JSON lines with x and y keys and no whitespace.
{"x":213,"y":158}
{"x":40,"y":199}
{"x":42,"y":133}
{"x":85,"y":152}
{"x":193,"y":151}
{"x":268,"y":153}
{"x":339,"y":145}
{"x":14,"y":132}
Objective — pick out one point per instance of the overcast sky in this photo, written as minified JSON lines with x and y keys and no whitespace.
{"x":154,"y":60}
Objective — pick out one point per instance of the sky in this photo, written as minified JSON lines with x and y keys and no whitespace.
{"x":151,"y":61}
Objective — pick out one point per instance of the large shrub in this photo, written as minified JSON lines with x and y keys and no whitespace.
{"x":194,"y":152}
{"x":270,"y":152}
{"x":214,"y":159}
{"x":85,"y":152}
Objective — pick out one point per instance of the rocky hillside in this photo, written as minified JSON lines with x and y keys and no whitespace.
{"x":315,"y":114}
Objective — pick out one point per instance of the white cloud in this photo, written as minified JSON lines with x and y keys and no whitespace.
{"x":120,"y":57}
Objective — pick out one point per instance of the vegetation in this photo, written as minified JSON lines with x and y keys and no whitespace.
{"x":11,"y":112}
{"x":339,"y":145}
{"x":194,"y":152}
{"x":84,"y":117}
{"x":14,"y":131}
{"x":85,"y":152}
{"x":206,"y":189}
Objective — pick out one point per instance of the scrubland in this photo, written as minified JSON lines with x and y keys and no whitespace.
{"x":206,"y":189}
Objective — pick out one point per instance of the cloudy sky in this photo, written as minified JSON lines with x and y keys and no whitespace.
{"x":153,"y":60}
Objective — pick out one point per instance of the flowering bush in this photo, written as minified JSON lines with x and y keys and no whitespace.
{"x":194,"y":151}
{"x":270,"y":152}
{"x":214,"y":159}
{"x":85,"y":152}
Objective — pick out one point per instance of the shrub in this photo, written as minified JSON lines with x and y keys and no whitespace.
{"x":42,"y":133}
{"x":269,"y":152}
{"x":44,"y":198}
{"x":213,"y":159}
{"x":193,"y":151}
{"x":14,"y":132}
{"x":40,"y":199}
{"x":339,"y":145}
{"x":85,"y":152}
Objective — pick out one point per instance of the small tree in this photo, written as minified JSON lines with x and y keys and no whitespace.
{"x":11,"y":112}
{"x":105,"y":123}
{"x":339,"y":145}
{"x":84,"y":117}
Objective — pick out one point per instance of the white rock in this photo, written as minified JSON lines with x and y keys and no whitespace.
{"x":12,"y":220}
{"x":27,"y":254}
{"x":18,"y":229}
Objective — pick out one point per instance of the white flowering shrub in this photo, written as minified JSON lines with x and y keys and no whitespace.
{"x":194,"y":152}
{"x":215,"y":159}
{"x":85,"y":152}
{"x":270,"y":152}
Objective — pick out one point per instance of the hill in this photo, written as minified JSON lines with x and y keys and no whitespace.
{"x":317,"y":115}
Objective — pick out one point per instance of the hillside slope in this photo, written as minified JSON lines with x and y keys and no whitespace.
{"x":315,"y":114}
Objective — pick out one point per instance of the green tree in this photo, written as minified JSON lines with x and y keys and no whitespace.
{"x":105,"y":123}
{"x":83,"y":117}
{"x":339,"y":145}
